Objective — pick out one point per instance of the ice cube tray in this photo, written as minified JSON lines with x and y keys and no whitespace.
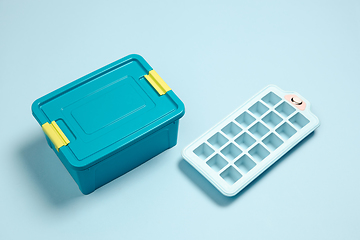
{"x":248,"y":141}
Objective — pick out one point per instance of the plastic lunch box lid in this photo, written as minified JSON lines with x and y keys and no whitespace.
{"x":107,"y":110}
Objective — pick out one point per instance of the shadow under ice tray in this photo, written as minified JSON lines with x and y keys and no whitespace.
{"x":243,"y":145}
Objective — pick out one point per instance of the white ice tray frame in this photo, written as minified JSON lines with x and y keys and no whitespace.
{"x":248,"y":141}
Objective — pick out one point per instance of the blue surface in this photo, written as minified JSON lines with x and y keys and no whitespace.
{"x":115,"y":121}
{"x":215,"y":56}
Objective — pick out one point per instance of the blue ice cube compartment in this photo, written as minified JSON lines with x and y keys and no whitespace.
{"x":110,"y":121}
{"x":248,"y":141}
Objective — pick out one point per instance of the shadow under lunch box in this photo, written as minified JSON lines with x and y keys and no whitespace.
{"x":110,"y":121}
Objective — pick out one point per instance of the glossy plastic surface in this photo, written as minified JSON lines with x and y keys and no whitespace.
{"x":107,"y":111}
{"x":249,"y":140}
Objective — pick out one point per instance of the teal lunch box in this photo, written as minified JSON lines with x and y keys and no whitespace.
{"x":110,"y":121}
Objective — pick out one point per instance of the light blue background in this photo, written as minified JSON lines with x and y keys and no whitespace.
{"x":215,"y":56}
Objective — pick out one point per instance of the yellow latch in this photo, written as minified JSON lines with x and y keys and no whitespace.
{"x":157,"y":82}
{"x":55,"y":134}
